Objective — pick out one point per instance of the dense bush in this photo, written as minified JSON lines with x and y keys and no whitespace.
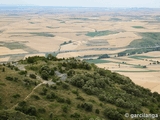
{"x":97,"y":111}
{"x":87,"y":106}
{"x":35,"y":59}
{"x":44,"y":75}
{"x":103,"y":56}
{"x":32,"y":111}
{"x":36,"y":97}
{"x":65,"y":85}
{"x":15,"y":79}
{"x":68,"y":101}
{"x":23,"y":72}
{"x":41,"y":110}
{"x":75,"y":115}
{"x":9,"y":78}
{"x":16,"y":95}
{"x":52,"y":95}
{"x":0,"y":100}
{"x":113,"y":114}
{"x":61,"y":100}
{"x":65,"y":108}
{"x":29,"y":110}
{"x":32,"y":76}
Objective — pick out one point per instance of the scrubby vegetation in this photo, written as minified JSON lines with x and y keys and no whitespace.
{"x":64,"y":43}
{"x":70,"y":89}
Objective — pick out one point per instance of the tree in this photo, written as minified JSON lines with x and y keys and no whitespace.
{"x":87,"y":106}
{"x":30,"y":60}
{"x":75,"y":115}
{"x":3,"y":69}
{"x":0,"y":100}
{"x":32,"y":76}
{"x":65,"y":108}
{"x":51,"y":115}
{"x":112,"y":114}
{"x":103,"y":56}
{"x":44,"y":75}
{"x":97,"y":111}
{"x":32,"y":111}
{"x":52,"y":72}
{"x":51,"y":57}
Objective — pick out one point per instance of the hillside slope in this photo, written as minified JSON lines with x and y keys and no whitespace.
{"x":66,"y":89}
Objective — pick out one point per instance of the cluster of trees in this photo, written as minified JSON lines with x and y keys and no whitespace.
{"x":10,"y":78}
{"x":64,"y":43}
{"x":113,"y":114}
{"x":45,"y":72}
{"x":23,"y":72}
{"x":53,"y":96}
{"x":72,"y":63}
{"x":26,"y":109}
{"x":11,"y":66}
{"x":33,"y":76}
{"x":104,"y":56}
{"x":103,"y":84}
{"x":35,"y":59}
{"x":75,"y":115}
{"x":28,"y":82}
{"x":86,"y":106}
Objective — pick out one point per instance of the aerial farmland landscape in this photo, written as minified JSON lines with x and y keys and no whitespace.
{"x":125,"y":41}
{"x":72,"y":32}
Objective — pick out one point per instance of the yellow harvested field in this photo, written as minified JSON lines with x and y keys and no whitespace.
{"x":43,"y":44}
{"x":138,"y":62}
{"x":151,"y":54}
{"x":154,"y":67}
{"x":6,"y":51}
{"x":119,"y":59}
{"x":120,"y":39}
{"x":4,"y":59}
{"x":85,"y":52}
{"x":71,"y":46}
{"x":148,"y":80}
{"x":123,"y":67}
{"x":68,"y":55}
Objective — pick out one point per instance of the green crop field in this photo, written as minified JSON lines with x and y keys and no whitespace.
{"x":139,"y":27}
{"x":100,"y":33}
{"x":45,"y":34}
{"x":96,"y":61}
{"x":141,"y":57}
{"x":149,"y":39}
{"x":14,"y":45}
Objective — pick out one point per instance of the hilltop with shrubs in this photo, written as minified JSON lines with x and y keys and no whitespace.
{"x":48,"y":88}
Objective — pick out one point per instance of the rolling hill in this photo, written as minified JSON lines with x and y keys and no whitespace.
{"x":40,"y":88}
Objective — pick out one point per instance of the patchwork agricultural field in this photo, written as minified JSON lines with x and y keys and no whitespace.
{"x":130,"y":39}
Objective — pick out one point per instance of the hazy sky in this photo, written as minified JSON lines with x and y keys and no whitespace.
{"x":88,"y":3}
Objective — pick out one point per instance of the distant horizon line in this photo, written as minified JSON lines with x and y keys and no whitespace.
{"x":32,"y":5}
